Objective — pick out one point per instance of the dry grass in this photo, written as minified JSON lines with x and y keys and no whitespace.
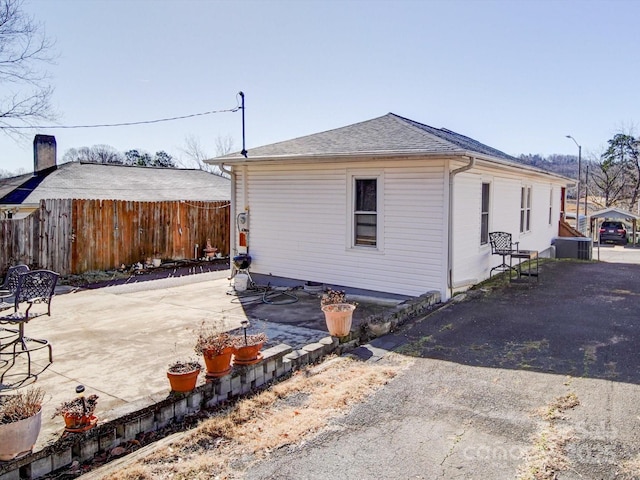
{"x":548,"y":456}
{"x":223,"y":446}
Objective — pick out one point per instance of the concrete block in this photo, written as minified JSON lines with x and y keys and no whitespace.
{"x":269,"y":367}
{"x":131,"y":429}
{"x":298,"y":357}
{"x":147,"y":422}
{"x":87,"y":448}
{"x":61,"y":459}
{"x":180,"y":408}
{"x":276,"y":351}
{"x":286,"y":367}
{"x":329,"y":344}
{"x":12,"y":475}
{"x":194,"y":401}
{"x":224,"y":386}
{"x":108,"y":439}
{"x":164,"y":415}
{"x":260,"y":378}
{"x":236,"y":386}
{"x":41,"y":467}
{"x":316,"y":351}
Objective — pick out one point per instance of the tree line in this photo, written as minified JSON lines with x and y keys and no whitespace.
{"x":611,"y":178}
{"x":108,"y":155}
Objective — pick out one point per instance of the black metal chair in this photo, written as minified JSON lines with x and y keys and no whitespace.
{"x":502,"y":244}
{"x":10,"y":285}
{"x":34,"y":287}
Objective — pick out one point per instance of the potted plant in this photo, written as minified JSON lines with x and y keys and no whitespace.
{"x":338,"y":313}
{"x":216,"y":348}
{"x":20,"y":423}
{"x":183,"y":375}
{"x":78,"y":413}
{"x":247,"y":346}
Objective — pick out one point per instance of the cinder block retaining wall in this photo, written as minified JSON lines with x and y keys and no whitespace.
{"x":277,"y":362}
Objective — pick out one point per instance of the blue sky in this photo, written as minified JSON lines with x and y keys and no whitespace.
{"x":517,"y":75}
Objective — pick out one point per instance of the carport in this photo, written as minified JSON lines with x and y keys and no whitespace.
{"x":612,"y":213}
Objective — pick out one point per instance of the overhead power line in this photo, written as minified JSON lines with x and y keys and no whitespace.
{"x":122,"y":124}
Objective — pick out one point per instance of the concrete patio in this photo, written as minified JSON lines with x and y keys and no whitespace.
{"x":117,"y":341}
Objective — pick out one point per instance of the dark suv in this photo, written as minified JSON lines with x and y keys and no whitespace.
{"x":613,"y":231}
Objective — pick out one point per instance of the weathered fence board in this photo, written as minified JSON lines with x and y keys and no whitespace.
{"x":75,"y":236}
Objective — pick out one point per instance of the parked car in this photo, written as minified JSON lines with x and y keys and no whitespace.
{"x":613,"y":231}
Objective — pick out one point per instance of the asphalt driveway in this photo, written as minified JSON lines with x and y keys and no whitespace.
{"x":511,"y":382}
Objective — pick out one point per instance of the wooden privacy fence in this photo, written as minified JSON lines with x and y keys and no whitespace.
{"x":76,"y":236}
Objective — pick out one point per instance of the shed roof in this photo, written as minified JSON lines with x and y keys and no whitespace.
{"x":614,"y":212}
{"x":115,"y":182}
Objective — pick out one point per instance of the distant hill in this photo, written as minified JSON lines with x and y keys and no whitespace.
{"x":566,"y":165}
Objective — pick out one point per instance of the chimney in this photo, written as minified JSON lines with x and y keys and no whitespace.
{"x":44,"y":152}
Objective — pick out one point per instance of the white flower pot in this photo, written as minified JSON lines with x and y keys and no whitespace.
{"x":339,"y":317}
{"x":18,"y":438}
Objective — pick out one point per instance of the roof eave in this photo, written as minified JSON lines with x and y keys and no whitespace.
{"x":365,"y":156}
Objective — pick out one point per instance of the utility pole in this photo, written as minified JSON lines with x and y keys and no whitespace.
{"x":578,"y":182}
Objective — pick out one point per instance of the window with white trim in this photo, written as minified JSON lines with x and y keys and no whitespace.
{"x":484,"y":214}
{"x":525,"y":209}
{"x":365,"y":212}
{"x":550,"y":205}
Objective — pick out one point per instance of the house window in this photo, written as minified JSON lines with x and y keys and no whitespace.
{"x":550,"y":205}
{"x":365,"y":215}
{"x":484,"y":215}
{"x":525,"y":209}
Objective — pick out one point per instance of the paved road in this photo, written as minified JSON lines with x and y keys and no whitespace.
{"x":482,"y":399}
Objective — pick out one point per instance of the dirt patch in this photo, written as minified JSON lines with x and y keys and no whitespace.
{"x":228,"y":442}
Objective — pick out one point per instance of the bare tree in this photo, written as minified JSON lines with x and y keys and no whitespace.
{"x":197,"y":156}
{"x":94,"y":154}
{"x":24,"y":48}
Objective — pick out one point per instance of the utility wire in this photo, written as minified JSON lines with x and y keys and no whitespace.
{"x":123,"y":124}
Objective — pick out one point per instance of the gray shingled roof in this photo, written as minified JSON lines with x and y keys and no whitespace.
{"x":119,"y":182}
{"x":389,"y":134}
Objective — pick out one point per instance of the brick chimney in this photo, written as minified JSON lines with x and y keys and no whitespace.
{"x":44,"y":152}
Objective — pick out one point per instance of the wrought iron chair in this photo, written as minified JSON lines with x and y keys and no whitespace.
{"x":34,"y":287}
{"x":10,"y":285}
{"x":502,"y":244}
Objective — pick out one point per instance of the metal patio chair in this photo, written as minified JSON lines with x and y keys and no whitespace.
{"x":34,"y":287}
{"x":10,"y":285}
{"x":502,"y":244}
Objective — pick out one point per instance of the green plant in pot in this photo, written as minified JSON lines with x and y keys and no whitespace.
{"x":338,"y":312}
{"x":78,"y":413}
{"x":20,"y":422}
{"x":183,"y":375}
{"x":216,"y":348}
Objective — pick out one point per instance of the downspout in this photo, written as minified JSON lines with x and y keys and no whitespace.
{"x":452,"y":174}
{"x":232,"y":210}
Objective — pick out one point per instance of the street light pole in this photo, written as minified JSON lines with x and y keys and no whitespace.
{"x":578,"y":182}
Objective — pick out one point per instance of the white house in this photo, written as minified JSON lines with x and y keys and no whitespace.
{"x":389,"y":205}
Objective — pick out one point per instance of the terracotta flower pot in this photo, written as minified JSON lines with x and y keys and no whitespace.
{"x":248,"y":354}
{"x":79,"y":423}
{"x":339,"y":317}
{"x":183,"y":382}
{"x":218,"y":364}
{"x":18,"y":438}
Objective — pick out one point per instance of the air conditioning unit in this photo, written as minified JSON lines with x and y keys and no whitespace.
{"x":573,"y":247}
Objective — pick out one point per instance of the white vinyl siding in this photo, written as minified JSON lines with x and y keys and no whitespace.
{"x":301,"y":221}
{"x":300,"y":213}
{"x":472,"y":260}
